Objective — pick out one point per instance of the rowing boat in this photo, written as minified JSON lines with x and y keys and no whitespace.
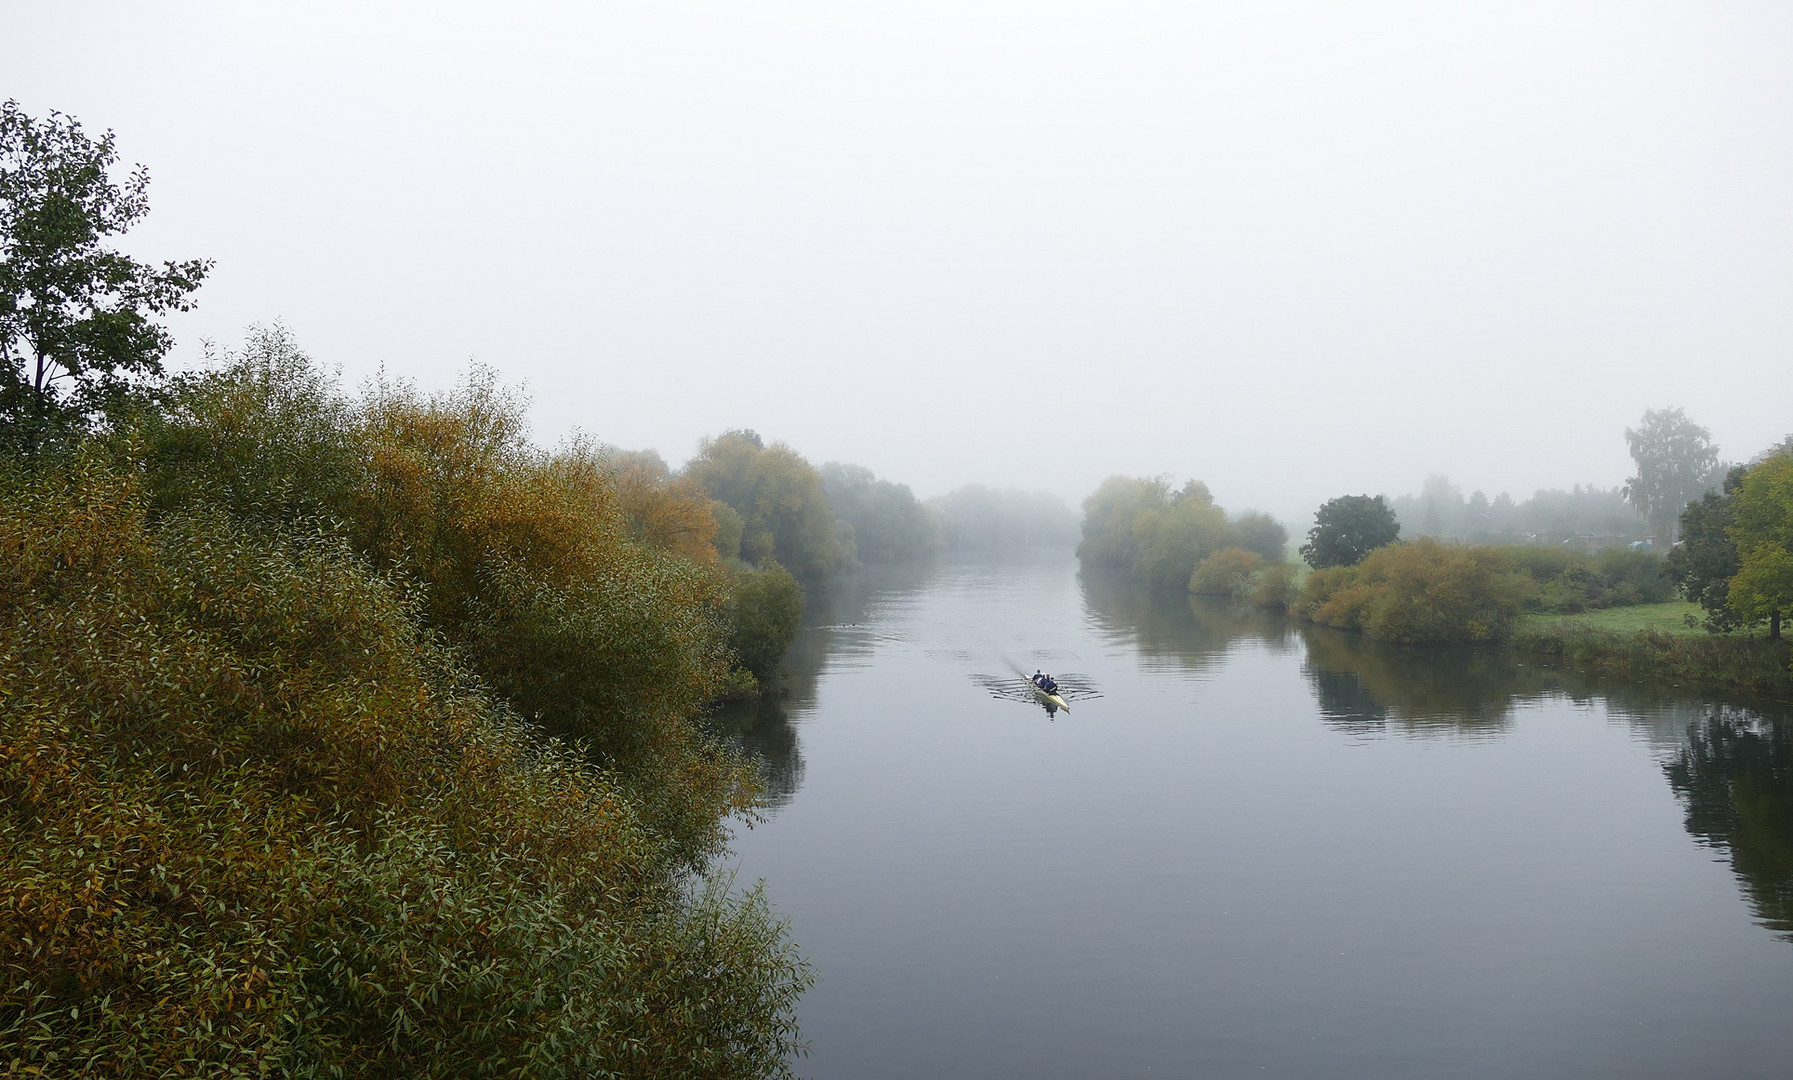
{"x":1048,"y":699}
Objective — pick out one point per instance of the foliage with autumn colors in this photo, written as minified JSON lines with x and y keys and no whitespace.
{"x":1421,"y":592}
{"x":278,"y":675}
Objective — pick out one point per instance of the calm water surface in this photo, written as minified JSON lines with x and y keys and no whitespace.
{"x":1261,"y":852}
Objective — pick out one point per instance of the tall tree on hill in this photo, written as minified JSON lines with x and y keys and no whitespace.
{"x":1676,"y":464}
{"x":78,"y":319}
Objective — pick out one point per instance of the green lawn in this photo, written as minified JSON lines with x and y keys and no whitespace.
{"x":1669,"y":618}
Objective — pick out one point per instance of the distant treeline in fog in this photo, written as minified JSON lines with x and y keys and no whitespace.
{"x":1161,"y":533}
{"x":1440,"y":509}
{"x":771,"y":505}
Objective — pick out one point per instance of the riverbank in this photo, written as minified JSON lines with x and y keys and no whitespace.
{"x":1670,"y":617}
{"x":1737,"y":664}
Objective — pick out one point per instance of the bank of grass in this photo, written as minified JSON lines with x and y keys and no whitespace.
{"x":1426,"y":593}
{"x":1733,"y":664}
{"x":1669,"y":618}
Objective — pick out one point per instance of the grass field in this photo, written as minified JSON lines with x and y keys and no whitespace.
{"x":1667,"y":618}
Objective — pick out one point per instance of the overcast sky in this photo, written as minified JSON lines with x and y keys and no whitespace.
{"x":1295,"y":250}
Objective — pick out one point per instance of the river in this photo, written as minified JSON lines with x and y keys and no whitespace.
{"x":1261,"y":851}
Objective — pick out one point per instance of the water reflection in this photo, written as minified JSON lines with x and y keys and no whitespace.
{"x":1193,"y":633}
{"x":1735,"y":778}
{"x":1731,"y":765}
{"x":840,"y":625}
{"x":1366,"y":687}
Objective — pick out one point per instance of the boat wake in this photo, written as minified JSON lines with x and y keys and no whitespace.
{"x":1072,"y":686}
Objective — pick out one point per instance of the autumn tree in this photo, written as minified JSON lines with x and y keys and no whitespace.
{"x":1227,"y":572}
{"x":78,"y":318}
{"x":259,"y":822}
{"x":1676,"y":462}
{"x":670,"y":512}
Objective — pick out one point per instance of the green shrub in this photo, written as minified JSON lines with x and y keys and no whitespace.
{"x":1418,"y":592}
{"x":763,"y":613}
{"x":526,"y":562}
{"x":1748,"y":666}
{"x":1275,"y":587}
{"x":1227,"y":572}
{"x":266,"y":437}
{"x":1566,"y":582}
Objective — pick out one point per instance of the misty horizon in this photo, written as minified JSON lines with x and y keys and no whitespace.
{"x":1294,"y":252}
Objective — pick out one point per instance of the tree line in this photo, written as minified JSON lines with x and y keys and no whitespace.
{"x":1457,"y":582}
{"x":361,"y":735}
{"x":1160,"y":533}
{"x":358,"y":734}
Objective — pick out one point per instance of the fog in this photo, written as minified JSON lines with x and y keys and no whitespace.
{"x":1295,"y":250}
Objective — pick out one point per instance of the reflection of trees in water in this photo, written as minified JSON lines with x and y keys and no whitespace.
{"x":764,"y":728}
{"x":1344,"y":702}
{"x":1364,"y":686}
{"x":1195,"y":631}
{"x":1735,"y":777}
{"x":1732,"y":766}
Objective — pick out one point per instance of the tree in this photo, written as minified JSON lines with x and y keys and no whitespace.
{"x":78,"y":319}
{"x":1419,"y":593}
{"x":1477,"y":516}
{"x":1109,"y":516}
{"x":1784,"y":448}
{"x":1262,"y":534}
{"x":1442,"y":503}
{"x":1227,"y":572}
{"x":665,"y":511}
{"x":1348,"y":528}
{"x":1704,"y":562}
{"x":1174,"y":537}
{"x":784,"y":512}
{"x":1675,"y":463}
{"x":889,"y":523}
{"x":1763,"y":532}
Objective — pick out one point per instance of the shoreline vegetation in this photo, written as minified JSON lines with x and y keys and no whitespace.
{"x":352,"y":736}
{"x":1586,"y":603}
{"x":358,"y":734}
{"x":1747,"y":666}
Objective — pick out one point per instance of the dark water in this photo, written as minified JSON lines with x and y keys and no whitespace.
{"x":1262,"y":852}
